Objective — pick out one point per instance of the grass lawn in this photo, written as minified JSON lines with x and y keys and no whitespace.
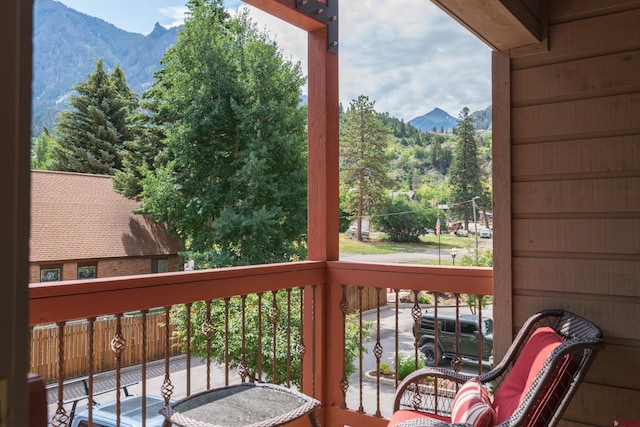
{"x":378,"y":244}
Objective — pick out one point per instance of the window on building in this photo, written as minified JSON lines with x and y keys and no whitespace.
{"x":50,"y":274}
{"x":87,"y":271}
{"x":158,"y":265}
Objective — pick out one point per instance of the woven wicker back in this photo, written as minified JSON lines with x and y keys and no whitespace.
{"x":562,"y":372}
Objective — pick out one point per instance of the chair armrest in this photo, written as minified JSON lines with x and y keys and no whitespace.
{"x":421,"y":393}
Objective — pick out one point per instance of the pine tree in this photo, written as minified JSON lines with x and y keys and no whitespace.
{"x":92,"y":133}
{"x":465,"y":172}
{"x":363,"y":144}
{"x":233,"y":180}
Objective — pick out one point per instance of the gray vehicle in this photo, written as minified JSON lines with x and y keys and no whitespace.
{"x":446,"y":345}
{"x":104,"y":415}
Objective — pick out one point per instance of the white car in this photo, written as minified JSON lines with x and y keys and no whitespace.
{"x":485,"y":233}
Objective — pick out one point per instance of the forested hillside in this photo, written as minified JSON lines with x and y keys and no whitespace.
{"x":424,"y":157}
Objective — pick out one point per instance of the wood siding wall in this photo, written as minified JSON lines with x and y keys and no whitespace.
{"x":575,"y":190}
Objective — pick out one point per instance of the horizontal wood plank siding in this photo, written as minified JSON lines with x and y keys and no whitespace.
{"x":577,"y":159}
{"x":575,"y":141}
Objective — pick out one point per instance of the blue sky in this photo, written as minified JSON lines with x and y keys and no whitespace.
{"x":406,"y":55}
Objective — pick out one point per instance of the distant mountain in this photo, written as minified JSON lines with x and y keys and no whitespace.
{"x":441,"y":120}
{"x":436,"y":118}
{"x":66,"y":46}
{"x":482,"y":119}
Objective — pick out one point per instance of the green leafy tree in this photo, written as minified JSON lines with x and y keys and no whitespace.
{"x":465,"y":173}
{"x":234,"y":183}
{"x":230,"y":174}
{"x":365,"y":162}
{"x":403,"y":219}
{"x":42,"y":156}
{"x":91,"y":134}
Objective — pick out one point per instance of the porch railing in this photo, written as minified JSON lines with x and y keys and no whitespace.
{"x":303,"y":313}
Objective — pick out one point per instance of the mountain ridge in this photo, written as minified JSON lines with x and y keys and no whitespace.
{"x":441,"y":120}
{"x":66,"y":46}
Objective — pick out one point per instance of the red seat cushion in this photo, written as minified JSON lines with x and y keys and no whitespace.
{"x":406,"y":415}
{"x":515,"y":386}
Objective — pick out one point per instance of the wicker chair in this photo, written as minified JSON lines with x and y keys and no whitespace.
{"x":531,"y":386}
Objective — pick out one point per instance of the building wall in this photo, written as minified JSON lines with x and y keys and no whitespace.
{"x":570,"y":181}
{"x":108,"y":267}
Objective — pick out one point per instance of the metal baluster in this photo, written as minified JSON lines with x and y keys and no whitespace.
{"x":289,"y":337}
{"x":260,"y":337}
{"x":187,"y":308}
{"x":167,"y":388}
{"x":377,"y":351}
{"x":208,"y":329}
{"x":143,"y":319}
{"x":456,"y":361}
{"x":226,"y":341}
{"x":274,"y":315}
{"x":90,"y":333}
{"x":360,"y":347}
{"x":60,"y":418}
{"x":117,"y":346}
{"x":436,"y":337}
{"x":301,"y":348}
{"x":416,"y":313}
{"x":480,"y":333}
{"x":397,"y":355}
{"x":344,"y":381}
{"x":242,"y":367}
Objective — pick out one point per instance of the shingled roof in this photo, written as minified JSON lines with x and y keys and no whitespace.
{"x":79,"y":216}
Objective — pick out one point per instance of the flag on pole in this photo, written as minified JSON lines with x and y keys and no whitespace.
{"x":438,"y":227}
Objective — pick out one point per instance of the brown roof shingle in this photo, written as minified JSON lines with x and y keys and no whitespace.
{"x":79,"y":216}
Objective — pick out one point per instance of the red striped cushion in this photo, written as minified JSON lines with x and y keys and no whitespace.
{"x":472,"y":405}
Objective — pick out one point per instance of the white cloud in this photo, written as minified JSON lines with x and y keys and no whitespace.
{"x":174,"y":15}
{"x":407,"y":55}
{"x":410,"y":57}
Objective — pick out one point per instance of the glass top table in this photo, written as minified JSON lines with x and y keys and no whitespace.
{"x":242,"y":405}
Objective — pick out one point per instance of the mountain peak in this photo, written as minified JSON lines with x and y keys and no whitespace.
{"x":436,"y":118}
{"x":158,"y":30}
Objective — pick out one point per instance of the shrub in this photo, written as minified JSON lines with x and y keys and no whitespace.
{"x":407,"y":364}
{"x":385,"y":368}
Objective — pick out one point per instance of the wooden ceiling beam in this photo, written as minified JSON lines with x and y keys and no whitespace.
{"x":286,"y":10}
{"x":502,"y":24}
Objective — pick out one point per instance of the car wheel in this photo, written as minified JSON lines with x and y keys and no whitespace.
{"x":429,"y":351}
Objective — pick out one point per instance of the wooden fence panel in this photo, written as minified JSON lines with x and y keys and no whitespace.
{"x":369,"y":298}
{"x":45,"y":350}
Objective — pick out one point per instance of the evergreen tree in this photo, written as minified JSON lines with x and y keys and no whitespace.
{"x":363,"y":145}
{"x":92,"y":133}
{"x":465,"y":172}
{"x":233,"y":180}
